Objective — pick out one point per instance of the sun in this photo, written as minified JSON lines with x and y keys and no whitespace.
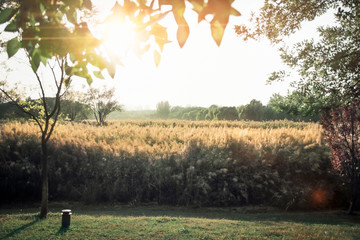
{"x":118,"y":38}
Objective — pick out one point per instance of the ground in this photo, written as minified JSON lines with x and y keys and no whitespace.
{"x":165,"y":222}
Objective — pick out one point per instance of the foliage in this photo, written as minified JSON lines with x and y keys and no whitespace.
{"x":147,"y":14}
{"x":49,"y":32}
{"x":177,"y":162}
{"x":295,"y":105}
{"x":163,"y":109}
{"x":282,"y":18}
{"x":73,"y":108}
{"x":342,"y":131}
{"x":102,"y":103}
{"x":329,"y":66}
{"x":252,"y":111}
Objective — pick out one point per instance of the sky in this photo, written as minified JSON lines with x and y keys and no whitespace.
{"x":200,"y":73}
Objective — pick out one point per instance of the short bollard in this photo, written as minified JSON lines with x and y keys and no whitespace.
{"x":66,"y":218}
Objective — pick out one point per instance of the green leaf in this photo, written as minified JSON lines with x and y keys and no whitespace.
{"x":157,"y":58}
{"x":43,"y":60}
{"x":217,"y":31}
{"x":72,"y":58}
{"x":42,"y":8}
{"x":11,"y":27}
{"x":89,"y":80}
{"x":67,"y":82}
{"x":6,"y":14}
{"x":72,"y":16}
{"x":35,"y":60}
{"x":68,"y":70}
{"x":98,"y":74}
{"x":13,"y":46}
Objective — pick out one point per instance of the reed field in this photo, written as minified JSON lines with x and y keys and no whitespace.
{"x":209,"y":163}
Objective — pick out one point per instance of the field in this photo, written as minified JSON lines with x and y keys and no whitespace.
{"x":154,"y":222}
{"x":175,"y":180}
{"x":186,"y":163}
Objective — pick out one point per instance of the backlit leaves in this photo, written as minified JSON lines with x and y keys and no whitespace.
{"x":45,"y":33}
{"x":161,"y":35}
{"x":221,"y":11}
{"x":217,"y":31}
{"x":98,"y":74}
{"x":157,"y":58}
{"x":87,"y":4}
{"x":182,"y":32}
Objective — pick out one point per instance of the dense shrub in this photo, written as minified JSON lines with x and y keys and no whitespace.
{"x":177,"y":163}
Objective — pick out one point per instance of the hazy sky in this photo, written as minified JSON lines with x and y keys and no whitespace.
{"x":199,"y":74}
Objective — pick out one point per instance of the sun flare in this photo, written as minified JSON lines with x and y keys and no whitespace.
{"x":118,"y":38}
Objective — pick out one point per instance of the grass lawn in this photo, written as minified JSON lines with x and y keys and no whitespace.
{"x":161,"y":222}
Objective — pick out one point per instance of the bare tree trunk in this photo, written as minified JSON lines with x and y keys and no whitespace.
{"x":354,"y":196}
{"x":44,"y":179}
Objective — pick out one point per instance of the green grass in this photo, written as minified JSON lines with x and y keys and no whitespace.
{"x":156,"y":222}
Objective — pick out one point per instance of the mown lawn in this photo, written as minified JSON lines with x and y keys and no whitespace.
{"x":157,"y":222}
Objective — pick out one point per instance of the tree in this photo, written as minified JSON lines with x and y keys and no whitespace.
{"x":329,"y":67}
{"x":227,"y":113}
{"x":342,"y":132}
{"x":55,"y":33}
{"x":73,"y":107}
{"x":102,"y":103}
{"x":163,"y":109}
{"x":43,"y":34}
{"x":295,"y":105}
{"x":252,"y":111}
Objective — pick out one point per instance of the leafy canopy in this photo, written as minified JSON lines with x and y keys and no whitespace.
{"x":60,"y":28}
{"x":328,"y":66}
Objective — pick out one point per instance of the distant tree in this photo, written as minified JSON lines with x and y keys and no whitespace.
{"x":227,"y":113}
{"x":102,"y":103}
{"x":252,"y":111}
{"x":295,"y":106}
{"x":163,"y":109}
{"x":212,"y":113}
{"x":73,"y":107}
{"x":201,"y":114}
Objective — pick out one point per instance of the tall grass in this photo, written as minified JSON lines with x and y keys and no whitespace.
{"x":176,"y":162}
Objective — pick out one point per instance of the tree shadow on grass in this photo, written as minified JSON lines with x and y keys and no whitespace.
{"x":18,"y":230}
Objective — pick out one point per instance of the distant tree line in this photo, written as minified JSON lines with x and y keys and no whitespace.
{"x":278,"y":108}
{"x":75,"y":106}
